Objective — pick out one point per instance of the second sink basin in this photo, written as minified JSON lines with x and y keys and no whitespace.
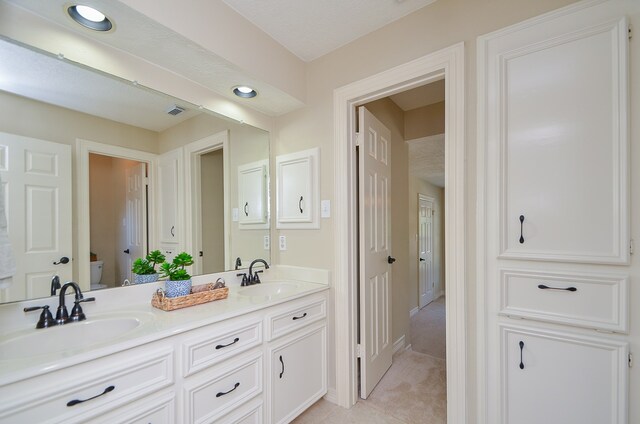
{"x":76,"y":335}
{"x":269,"y":289}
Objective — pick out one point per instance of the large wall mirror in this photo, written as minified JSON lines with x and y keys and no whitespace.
{"x":99,"y":171}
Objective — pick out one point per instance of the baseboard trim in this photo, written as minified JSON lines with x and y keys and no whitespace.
{"x":414,"y":311}
{"x":331,"y":395}
{"x":398,"y":344}
{"x":408,"y":347}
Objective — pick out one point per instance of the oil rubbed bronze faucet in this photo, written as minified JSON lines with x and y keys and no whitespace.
{"x":62,"y":316}
{"x":254,"y":278}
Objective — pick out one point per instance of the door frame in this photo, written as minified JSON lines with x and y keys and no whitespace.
{"x":432,"y":200}
{"x":83,"y":149}
{"x":447,"y":63}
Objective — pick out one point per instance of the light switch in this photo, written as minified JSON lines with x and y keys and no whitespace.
{"x":283,"y":243}
{"x":234,"y":215}
{"x":266,"y":243}
{"x":325,"y":209}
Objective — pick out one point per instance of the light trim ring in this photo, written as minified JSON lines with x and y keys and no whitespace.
{"x":89,"y":17}
{"x":244,"y":91}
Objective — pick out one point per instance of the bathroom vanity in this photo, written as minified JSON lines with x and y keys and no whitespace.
{"x":259,"y":356}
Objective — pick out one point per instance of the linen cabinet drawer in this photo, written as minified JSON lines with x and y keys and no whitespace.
{"x":210,"y":395}
{"x":295,"y":317}
{"x":592,"y":301}
{"x":214,"y":344}
{"x":79,"y":393}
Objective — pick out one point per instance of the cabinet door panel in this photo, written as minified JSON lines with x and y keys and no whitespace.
{"x":560,"y":378}
{"x":169,"y":201}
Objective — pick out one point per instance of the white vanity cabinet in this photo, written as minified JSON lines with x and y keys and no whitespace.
{"x":298,"y":189}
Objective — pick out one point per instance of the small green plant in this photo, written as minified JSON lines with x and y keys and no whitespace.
{"x":174,"y":270}
{"x":147,"y":266}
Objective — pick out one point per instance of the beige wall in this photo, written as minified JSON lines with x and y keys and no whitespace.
{"x":434,"y":27}
{"x":418,"y":186}
{"x":424,"y":121}
{"x":212,"y":200}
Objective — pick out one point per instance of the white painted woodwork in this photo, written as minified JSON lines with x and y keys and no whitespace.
{"x":136,"y":215}
{"x":36,"y":175}
{"x":154,"y":409}
{"x":598,"y":302}
{"x":376,"y":347}
{"x":565,"y":378}
{"x":295,"y":384}
{"x":251,"y":413}
{"x":253,"y":183}
{"x":552,"y":146}
{"x":298,"y":189}
{"x":425,"y":249}
{"x":170,"y":202}
{"x":560,"y":113}
{"x":211,"y":394}
{"x":297,"y":315}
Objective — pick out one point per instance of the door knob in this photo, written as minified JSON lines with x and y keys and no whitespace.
{"x":391,"y":260}
{"x":126,"y":251}
{"x":63,"y":260}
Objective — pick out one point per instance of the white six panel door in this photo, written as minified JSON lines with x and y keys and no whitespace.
{"x":136,"y":222}
{"x":425,"y":247}
{"x":37,"y":179}
{"x":376,"y":348}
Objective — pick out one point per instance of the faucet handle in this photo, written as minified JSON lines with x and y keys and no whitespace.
{"x":46,"y":319}
{"x":76,"y":313}
{"x":245,"y":280}
{"x":256,"y":277}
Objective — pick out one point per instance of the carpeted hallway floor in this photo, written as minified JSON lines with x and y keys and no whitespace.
{"x":428,"y":329}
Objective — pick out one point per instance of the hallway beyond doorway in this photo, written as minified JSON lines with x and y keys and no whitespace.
{"x":428,"y":329}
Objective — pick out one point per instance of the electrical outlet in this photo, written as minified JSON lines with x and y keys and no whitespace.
{"x":325,"y":209}
{"x":283,"y":242}
{"x":266,"y":243}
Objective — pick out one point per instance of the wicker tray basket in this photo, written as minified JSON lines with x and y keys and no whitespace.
{"x":203,"y":295}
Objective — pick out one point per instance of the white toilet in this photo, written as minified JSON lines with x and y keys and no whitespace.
{"x":96,"y":275}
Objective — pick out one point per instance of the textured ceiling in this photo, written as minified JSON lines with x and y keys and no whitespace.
{"x":426,"y":159}
{"x":312,"y":28}
{"x":420,"y":96}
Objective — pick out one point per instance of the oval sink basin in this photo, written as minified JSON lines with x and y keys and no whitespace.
{"x":272,"y":289}
{"x":71,"y":336}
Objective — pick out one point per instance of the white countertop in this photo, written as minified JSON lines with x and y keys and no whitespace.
{"x":155,"y":324}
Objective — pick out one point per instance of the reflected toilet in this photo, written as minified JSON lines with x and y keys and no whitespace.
{"x":96,"y":275}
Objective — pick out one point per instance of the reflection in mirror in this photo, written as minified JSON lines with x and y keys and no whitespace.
{"x":101,"y":171}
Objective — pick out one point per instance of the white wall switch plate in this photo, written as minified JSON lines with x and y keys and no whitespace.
{"x":283,"y":242}
{"x":325,"y":209}
{"x":266,"y":243}
{"x":234,"y":215}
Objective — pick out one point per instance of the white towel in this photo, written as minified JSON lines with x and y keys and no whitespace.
{"x":7,"y":262}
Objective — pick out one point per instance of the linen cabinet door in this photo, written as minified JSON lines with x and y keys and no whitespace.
{"x":551,"y":377}
{"x":297,"y":374}
{"x":168,"y":197}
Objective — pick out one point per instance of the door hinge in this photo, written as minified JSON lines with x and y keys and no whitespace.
{"x":630,"y":32}
{"x":358,"y":351}
{"x":357,"y":136}
{"x":630,"y":360}
{"x":631,"y":247}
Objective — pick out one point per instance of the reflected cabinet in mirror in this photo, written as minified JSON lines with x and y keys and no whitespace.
{"x":97,"y":172}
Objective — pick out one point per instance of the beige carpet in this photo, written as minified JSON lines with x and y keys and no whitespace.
{"x":428,"y":329}
{"x":413,"y":391}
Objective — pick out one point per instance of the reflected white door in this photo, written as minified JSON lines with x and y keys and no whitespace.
{"x":374,"y":159}
{"x":136,"y":218}
{"x":37,"y":179}
{"x":425,"y":247}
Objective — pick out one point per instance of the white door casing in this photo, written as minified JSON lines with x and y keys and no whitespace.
{"x":376,"y":348}
{"x":136,"y":215}
{"x":425,"y":249}
{"x":37,"y":179}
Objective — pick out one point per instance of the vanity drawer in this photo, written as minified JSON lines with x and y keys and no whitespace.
{"x":155,"y":409}
{"x":583,"y":300}
{"x":213,"y":344}
{"x":295,"y":316}
{"x":251,"y":413}
{"x":211,"y":394}
{"x":120,"y":379}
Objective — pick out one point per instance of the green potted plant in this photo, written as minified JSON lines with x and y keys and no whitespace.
{"x":178,"y":279}
{"x":144,"y":269}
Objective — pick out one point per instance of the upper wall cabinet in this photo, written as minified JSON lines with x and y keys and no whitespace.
{"x":252,"y":195}
{"x":298,"y":189}
{"x":560,"y":116}
{"x":169,"y":197}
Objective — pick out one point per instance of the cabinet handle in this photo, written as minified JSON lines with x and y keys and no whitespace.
{"x":282,"y":362}
{"x":236,"y":340}
{"x":77,"y":401}
{"x":300,"y":203}
{"x":543,"y":287}
{"x":226,"y":393}
{"x":521,"y":344}
{"x":172,"y":231}
{"x":300,"y":317}
{"x":521,"y":222}
{"x":246,"y":205}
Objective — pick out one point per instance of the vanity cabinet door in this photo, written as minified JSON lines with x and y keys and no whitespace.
{"x":168,"y":197}
{"x":297,"y":373}
{"x":552,"y":377}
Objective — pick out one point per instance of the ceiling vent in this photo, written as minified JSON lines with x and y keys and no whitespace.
{"x":175,"y":110}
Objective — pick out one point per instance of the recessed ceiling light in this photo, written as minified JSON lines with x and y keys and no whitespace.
{"x":89,"y":18}
{"x":244,"y":91}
